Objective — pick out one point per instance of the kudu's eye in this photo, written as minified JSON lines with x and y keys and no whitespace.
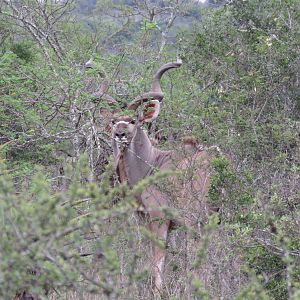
{"x":132,"y":122}
{"x":113,"y":121}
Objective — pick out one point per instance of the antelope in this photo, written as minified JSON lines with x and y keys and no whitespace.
{"x":137,"y":157}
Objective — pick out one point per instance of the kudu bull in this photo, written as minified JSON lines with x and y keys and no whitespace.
{"x":136,"y":158}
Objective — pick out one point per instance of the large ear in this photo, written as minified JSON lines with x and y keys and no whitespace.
{"x":106,"y":117}
{"x":151,"y":111}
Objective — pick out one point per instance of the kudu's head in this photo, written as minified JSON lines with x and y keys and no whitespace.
{"x":147,"y":107}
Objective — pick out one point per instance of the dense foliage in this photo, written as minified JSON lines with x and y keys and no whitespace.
{"x":65,"y":229}
{"x":244,"y":59}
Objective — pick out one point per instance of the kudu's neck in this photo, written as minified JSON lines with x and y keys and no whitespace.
{"x":139,"y":159}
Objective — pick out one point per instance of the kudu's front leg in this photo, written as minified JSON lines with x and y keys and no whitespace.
{"x":159,"y":228}
{"x":154,"y":202}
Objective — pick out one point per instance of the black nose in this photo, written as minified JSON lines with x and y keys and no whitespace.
{"x":119,"y":135}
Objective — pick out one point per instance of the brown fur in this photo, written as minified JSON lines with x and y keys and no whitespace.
{"x":136,"y":158}
{"x":187,"y":193}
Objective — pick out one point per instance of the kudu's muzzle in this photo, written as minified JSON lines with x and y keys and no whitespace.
{"x":121,"y":134}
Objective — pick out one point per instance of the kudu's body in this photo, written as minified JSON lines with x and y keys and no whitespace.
{"x":186,"y":193}
{"x":136,"y":158}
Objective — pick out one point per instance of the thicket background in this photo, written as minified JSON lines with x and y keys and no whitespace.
{"x":62,"y":229}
